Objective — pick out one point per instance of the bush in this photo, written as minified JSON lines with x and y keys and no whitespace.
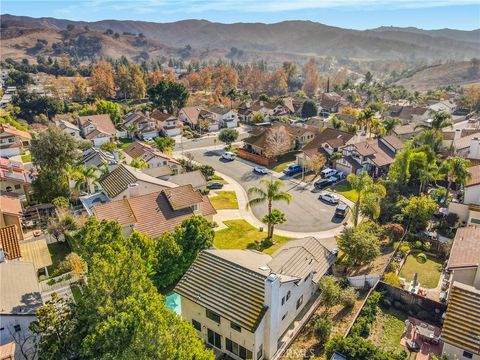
{"x":427,"y":246}
{"x":422,"y":258}
{"x":367,"y":316}
{"x":418,"y":244}
{"x":323,"y":328}
{"x":404,"y":249}
{"x":349,"y":296}
{"x":392,"y":279}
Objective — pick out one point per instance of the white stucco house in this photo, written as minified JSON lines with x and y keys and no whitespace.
{"x":242,"y":302}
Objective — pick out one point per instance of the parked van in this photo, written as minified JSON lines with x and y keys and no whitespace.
{"x":326,"y":173}
{"x":341,"y":211}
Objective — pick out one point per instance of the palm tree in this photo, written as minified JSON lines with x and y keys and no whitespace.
{"x":390,"y":123}
{"x":269,"y":193}
{"x":85,"y":176}
{"x":456,"y":170}
{"x":275,"y":218}
{"x":69,"y":173}
{"x":440,"y":120}
{"x":369,"y":195}
{"x":365,"y":118}
{"x":132,"y":130}
{"x":429,"y":137}
{"x":427,"y":175}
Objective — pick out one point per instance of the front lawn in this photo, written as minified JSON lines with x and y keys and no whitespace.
{"x":282,"y":166}
{"x":428,"y":272}
{"x":387,"y":330}
{"x":58,"y":252}
{"x":240,"y":234}
{"x":219,"y":179}
{"x":344,"y":188}
{"x":224,"y":200}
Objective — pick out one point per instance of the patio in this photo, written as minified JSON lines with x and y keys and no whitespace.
{"x":426,"y":336}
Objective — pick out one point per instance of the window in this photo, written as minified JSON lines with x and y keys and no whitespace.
{"x":214,"y":339}
{"x":17,"y":186}
{"x":260,"y":352}
{"x":235,"y":327}
{"x":284,"y":315}
{"x":467,"y":355}
{"x":238,"y":350}
{"x":299,"y":301}
{"x":283,"y":300}
{"x":197,"y":325}
{"x":289,"y":293}
{"x":17,"y":328}
{"x":213,"y":316}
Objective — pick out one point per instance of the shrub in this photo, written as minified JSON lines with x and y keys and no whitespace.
{"x":427,"y":246}
{"x":392,"y":279}
{"x":394,"y":231}
{"x":418,"y":244}
{"x":404,"y":249}
{"x":323,"y":328}
{"x":422,"y":258}
{"x":367,"y":315}
{"x":349,"y":296}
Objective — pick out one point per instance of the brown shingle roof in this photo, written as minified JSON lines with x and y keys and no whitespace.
{"x":474,"y":176}
{"x":462,"y":327}
{"x":466,"y":248}
{"x":259,"y":135}
{"x":102,"y":122}
{"x":192,"y":112}
{"x":150,"y":213}
{"x":182,"y":197}
{"x":9,"y":242}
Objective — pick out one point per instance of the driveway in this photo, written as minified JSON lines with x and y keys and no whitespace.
{"x":304,"y":214}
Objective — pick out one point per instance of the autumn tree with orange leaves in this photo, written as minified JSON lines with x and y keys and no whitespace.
{"x":101,"y":80}
{"x":311,"y":78}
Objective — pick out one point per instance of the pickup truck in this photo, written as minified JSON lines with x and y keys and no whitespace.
{"x":292,"y":169}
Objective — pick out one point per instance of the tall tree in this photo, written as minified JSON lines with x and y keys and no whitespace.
{"x":390,"y":123}
{"x":440,"y":120}
{"x":269,"y":193}
{"x":102,"y":81}
{"x":456,"y":170}
{"x":228,"y":136}
{"x":111,"y":108}
{"x":359,"y":244}
{"x":369,"y":195}
{"x":168,"y":95}
{"x":79,"y":89}
{"x":276,"y":217}
{"x":309,"y":109}
{"x":311,"y":78}
{"x":165,"y":144}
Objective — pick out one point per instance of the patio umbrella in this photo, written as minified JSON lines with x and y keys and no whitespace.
{"x":414,"y":281}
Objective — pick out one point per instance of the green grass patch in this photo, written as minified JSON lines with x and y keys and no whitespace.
{"x":282,"y":166}
{"x":388,"y":329}
{"x":428,"y":272}
{"x":240,"y":234}
{"x":27,"y":158}
{"x":344,"y":188}
{"x":58,"y":252}
{"x":224,"y":200}
{"x":219,"y":179}
{"x":124,"y":142}
{"x":77,"y":294}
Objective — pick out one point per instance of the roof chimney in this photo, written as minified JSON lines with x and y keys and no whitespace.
{"x":132,"y":190}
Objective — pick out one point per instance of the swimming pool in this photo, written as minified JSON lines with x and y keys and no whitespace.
{"x":173,"y":303}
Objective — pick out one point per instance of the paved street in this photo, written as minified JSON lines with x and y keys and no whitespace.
{"x":202,"y":143}
{"x":304,"y":214}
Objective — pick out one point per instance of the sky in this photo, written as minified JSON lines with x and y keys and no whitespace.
{"x":353,"y":14}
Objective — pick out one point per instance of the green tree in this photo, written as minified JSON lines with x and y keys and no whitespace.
{"x":309,"y":109}
{"x":419,"y":210}
{"x":110,"y":108}
{"x":275,"y":218}
{"x":440,"y":120}
{"x":330,"y":292}
{"x":207,"y":171}
{"x":365,"y":118}
{"x":258,"y":117}
{"x":228,"y":136}
{"x":359,"y":244}
{"x":168,"y":268}
{"x":168,"y":95}
{"x":165,"y":144}
{"x":429,"y":137}
{"x":42,"y":184}
{"x":358,"y":348}
{"x":85,"y":177}
{"x":390,"y":123}
{"x":53,"y":149}
{"x":369,"y":195}
{"x":392,"y":279}
{"x":323,"y":328}
{"x":455,"y":169}
{"x":139,"y":163}
{"x":269,"y":193}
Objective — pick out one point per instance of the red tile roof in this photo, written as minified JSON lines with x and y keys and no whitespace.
{"x":9,"y":242}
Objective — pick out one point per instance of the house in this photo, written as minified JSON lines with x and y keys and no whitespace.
{"x":331,"y":102}
{"x":159,"y":164}
{"x":97,"y":128}
{"x":15,"y":178}
{"x":241,"y":302}
{"x":99,"y":158}
{"x":464,"y":260}
{"x":465,"y":143}
{"x":247,"y":110}
{"x":443,"y":105}
{"x":471,"y":194}
{"x":13,"y":141}
{"x":277,"y":139}
{"x":126,"y":181}
{"x":156,"y":212}
{"x":138,"y":124}
{"x":227,"y":118}
{"x":168,"y":124}
{"x":194,"y":178}
{"x":189,"y":115}
{"x":68,"y":128}
{"x":11,"y":212}
{"x":461,"y":328}
{"x":468,"y":211}
{"x":374,"y":156}
{"x":408,"y":114}
{"x":19,"y":299}
{"x":406,"y":131}
{"x":324,"y":143}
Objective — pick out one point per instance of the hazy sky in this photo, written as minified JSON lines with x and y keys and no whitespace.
{"x":356,"y":14}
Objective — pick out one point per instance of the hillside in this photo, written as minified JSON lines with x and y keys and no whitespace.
{"x":460,"y":73}
{"x":284,"y":40}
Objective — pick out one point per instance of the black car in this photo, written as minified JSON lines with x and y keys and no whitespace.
{"x":214,"y":185}
{"x":341,"y":211}
{"x":322,"y":183}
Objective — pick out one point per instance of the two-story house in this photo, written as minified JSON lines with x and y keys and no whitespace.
{"x":227,"y":118}
{"x":97,"y":128}
{"x":15,"y":178}
{"x":156,"y":212}
{"x":13,"y":141}
{"x":69,"y":128}
{"x":331,"y":102}
{"x":247,"y":110}
{"x":189,"y":115}
{"x":374,"y":156}
{"x":167,"y":124}
{"x":468,"y":210}
{"x":241,"y":302}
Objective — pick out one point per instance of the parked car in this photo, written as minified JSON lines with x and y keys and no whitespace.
{"x":229,"y":156}
{"x":322,"y":183}
{"x":292,"y":169}
{"x":260,"y":170}
{"x":327,"y":172}
{"x":341,"y":210}
{"x":148,"y":139}
{"x":214,"y":185}
{"x":329,"y":197}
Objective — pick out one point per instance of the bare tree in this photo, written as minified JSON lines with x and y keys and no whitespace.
{"x":315,"y":163}
{"x":278,"y":141}
{"x":25,"y":340}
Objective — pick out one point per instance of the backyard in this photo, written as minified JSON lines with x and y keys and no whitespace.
{"x":240,"y":234}
{"x":58,"y":252}
{"x":224,"y":200}
{"x":344,"y":188}
{"x":428,"y":272}
{"x":387,"y":330}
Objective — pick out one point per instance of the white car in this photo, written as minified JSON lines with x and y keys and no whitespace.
{"x":329,"y":197}
{"x":260,"y":170}
{"x":227,"y":155}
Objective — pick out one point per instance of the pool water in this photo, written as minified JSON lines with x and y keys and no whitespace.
{"x":173,"y":303}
